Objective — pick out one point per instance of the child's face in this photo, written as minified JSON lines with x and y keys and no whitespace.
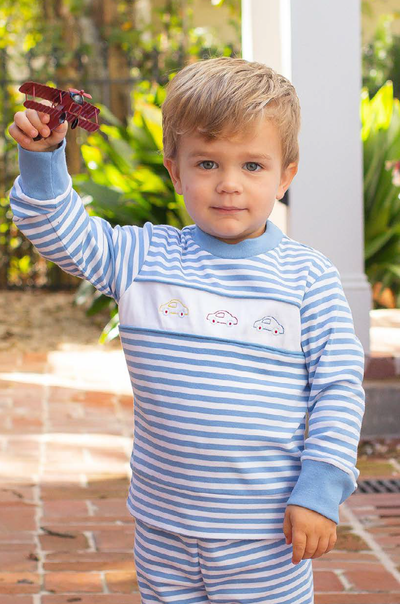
{"x":229,"y":184}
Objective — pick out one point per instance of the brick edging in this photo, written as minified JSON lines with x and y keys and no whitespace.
{"x":381,"y":367}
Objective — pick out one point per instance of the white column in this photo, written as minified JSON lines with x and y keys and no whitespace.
{"x":317,"y":45}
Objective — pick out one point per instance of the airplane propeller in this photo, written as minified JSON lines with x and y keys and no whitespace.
{"x":81,"y":92}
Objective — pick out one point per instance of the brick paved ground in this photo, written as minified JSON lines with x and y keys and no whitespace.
{"x":65,"y":533}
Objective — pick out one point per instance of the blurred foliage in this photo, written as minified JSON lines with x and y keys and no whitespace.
{"x":51,"y":41}
{"x":381,"y":138}
{"x":126,"y":181}
{"x":168,"y":41}
{"x":381,"y":56}
{"x":380,"y":117}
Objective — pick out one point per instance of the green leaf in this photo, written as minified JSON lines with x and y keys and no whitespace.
{"x":148,"y":181}
{"x":84,"y":292}
{"x":110,"y":331}
{"x":99,"y":303}
{"x":92,"y":156}
{"x":382,"y":106}
{"x":151,"y":117}
{"x":393,"y":268}
{"x":377,"y":243}
{"x":106,"y":114}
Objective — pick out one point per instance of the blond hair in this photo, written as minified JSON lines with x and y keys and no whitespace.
{"x":223,"y":97}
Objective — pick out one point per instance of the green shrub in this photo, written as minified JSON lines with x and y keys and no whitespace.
{"x":381,"y":139}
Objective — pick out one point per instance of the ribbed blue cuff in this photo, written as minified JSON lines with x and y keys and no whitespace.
{"x":322,"y":487}
{"x":44,"y":175}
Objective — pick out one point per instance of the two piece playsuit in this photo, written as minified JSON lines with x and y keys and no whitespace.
{"x":229,"y":349}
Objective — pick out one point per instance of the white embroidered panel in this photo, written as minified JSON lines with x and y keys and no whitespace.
{"x":169,"y":307}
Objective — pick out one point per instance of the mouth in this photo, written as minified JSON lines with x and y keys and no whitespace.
{"x":230,"y":210}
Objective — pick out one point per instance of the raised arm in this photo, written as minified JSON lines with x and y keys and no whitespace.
{"x":51,"y":215}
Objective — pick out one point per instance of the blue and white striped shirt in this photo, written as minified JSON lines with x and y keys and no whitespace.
{"x":230,"y":348}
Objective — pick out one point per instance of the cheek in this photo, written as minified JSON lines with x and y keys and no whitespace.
{"x":194,"y":189}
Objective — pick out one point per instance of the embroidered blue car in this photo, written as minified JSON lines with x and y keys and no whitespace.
{"x":269,"y":324}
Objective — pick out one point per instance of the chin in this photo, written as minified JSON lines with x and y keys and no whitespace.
{"x":229,"y":234}
{"x":228,"y":230}
{"x":230,"y":237}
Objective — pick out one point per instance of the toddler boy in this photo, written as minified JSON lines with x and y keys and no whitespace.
{"x":233,"y":333}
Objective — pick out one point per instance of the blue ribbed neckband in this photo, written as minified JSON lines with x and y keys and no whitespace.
{"x":244,"y":249}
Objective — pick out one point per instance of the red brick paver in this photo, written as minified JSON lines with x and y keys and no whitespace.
{"x":65,"y":533}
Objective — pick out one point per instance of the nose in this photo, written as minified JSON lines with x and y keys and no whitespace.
{"x":229,"y":183}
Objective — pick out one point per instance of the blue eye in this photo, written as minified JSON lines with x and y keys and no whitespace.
{"x":252,"y":166}
{"x":207,"y":164}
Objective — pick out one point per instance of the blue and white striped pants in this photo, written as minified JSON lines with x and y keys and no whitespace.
{"x":184,"y":570}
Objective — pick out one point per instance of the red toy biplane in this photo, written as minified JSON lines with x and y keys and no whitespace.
{"x":69,"y":106}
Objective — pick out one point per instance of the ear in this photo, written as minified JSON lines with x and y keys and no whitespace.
{"x":173,"y":169}
{"x":286,"y":178}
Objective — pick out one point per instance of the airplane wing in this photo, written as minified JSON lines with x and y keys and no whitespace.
{"x":89,"y":110}
{"x":70,"y":117}
{"x":86,"y":110}
{"x":82,"y":122}
{"x":43,"y":108}
{"x":42,"y":91}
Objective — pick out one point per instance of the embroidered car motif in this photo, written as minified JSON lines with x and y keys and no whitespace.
{"x":269,"y":324}
{"x":174,"y":307}
{"x":222,"y":316}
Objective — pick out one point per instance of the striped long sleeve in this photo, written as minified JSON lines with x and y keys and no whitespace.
{"x":228,"y":348}
{"x":52,"y":216}
{"x":335,"y":362}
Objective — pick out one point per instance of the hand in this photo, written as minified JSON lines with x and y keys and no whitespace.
{"x":312,"y":533}
{"x":29,"y":123}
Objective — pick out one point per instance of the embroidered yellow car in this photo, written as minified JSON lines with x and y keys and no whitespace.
{"x":174,"y":307}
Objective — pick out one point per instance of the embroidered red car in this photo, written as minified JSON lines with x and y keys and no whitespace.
{"x":222,"y":316}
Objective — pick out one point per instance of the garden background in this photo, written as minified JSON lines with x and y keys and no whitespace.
{"x":65,"y":400}
{"x":123,"y":53}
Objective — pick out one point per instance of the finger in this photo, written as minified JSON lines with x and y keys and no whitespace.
{"x":29,"y":122}
{"x":61,"y":128}
{"x":60,"y":132}
{"x":18,"y":135}
{"x":321,"y":548}
{"x":332,"y":542}
{"x":311,"y":547}
{"x":45,"y":117}
{"x":287,"y":528}
{"x":35,"y":117}
{"x":57,"y":135}
{"x":299,"y":546}
{"x":24,"y":123}
{"x":39,"y":121}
